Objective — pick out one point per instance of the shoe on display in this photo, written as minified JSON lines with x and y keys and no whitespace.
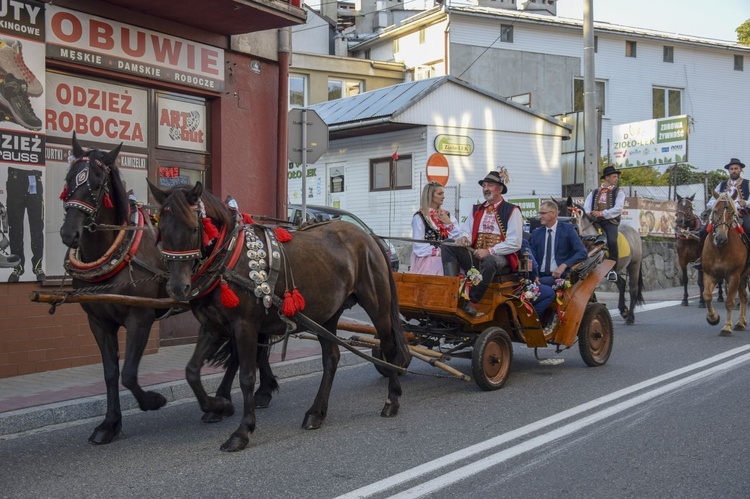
{"x":14,"y":96}
{"x":40,"y":275}
{"x":11,"y":62}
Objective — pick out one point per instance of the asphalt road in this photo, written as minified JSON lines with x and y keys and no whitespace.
{"x":666,"y":417}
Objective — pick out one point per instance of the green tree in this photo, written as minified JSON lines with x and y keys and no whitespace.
{"x":642,"y":175}
{"x":743,"y":33}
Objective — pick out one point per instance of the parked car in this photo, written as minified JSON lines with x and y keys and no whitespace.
{"x":330,"y":213}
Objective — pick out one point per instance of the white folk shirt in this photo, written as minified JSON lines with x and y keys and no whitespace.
{"x":488,"y":224}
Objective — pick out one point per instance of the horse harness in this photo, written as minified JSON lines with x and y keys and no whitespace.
{"x":217,"y":266}
{"x":689,"y":229}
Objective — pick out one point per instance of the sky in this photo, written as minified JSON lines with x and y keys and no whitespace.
{"x":704,"y":18}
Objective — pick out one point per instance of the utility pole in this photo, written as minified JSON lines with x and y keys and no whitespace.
{"x":590,"y":122}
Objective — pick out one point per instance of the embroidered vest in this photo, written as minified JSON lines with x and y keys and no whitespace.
{"x":430,"y":232}
{"x":502,"y":216}
{"x":610,"y":202}
{"x":743,"y":188}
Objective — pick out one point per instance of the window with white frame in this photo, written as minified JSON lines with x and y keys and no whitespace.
{"x":391,"y":173}
{"x":297,"y":91}
{"x":666,"y":102}
{"x":343,"y":88}
{"x":601,"y":95}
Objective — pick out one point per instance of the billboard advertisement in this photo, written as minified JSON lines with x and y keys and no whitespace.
{"x":652,"y":142}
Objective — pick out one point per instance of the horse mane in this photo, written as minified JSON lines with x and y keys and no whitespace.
{"x":216,"y":209}
{"x":181,"y":203}
{"x":725,"y":198}
{"x":118,"y":194}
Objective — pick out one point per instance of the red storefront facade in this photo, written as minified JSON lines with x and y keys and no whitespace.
{"x":188,"y":99}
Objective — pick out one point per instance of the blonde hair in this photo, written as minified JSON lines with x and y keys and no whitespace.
{"x":426,"y":199}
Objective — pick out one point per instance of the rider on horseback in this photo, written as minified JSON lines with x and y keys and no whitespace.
{"x":605,"y":205}
{"x":734,"y":183}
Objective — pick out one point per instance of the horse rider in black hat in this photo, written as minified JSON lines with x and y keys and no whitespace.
{"x":494,"y":230}
{"x":735,"y":182}
{"x":605,"y":205}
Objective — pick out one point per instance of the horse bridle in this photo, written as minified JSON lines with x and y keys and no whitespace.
{"x":82,"y":178}
{"x":691,"y":221}
{"x":190,"y":254}
{"x":732,"y":224}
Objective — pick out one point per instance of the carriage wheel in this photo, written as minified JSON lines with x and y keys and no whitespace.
{"x":383,"y":371}
{"x":491,"y":358}
{"x":595,"y":335}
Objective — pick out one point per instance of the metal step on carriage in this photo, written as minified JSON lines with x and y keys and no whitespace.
{"x":438,"y":329}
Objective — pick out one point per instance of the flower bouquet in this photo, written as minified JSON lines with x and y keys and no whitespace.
{"x":528,"y":292}
{"x":560,"y":286}
{"x":472,"y":278}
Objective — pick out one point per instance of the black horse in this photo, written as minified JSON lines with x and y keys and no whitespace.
{"x":125,"y":262}
{"x":244,"y":270}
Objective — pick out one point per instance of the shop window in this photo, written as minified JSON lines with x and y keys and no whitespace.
{"x":388,"y":174}
{"x":668,"y":53}
{"x":601,"y":95}
{"x":666,"y":102}
{"x":297,"y":91}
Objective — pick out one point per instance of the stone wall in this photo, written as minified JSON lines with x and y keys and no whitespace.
{"x":660,"y":268}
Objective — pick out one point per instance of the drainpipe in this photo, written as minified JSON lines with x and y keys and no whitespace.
{"x":282,"y":163}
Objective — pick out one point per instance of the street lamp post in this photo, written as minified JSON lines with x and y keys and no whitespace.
{"x":590,"y":122}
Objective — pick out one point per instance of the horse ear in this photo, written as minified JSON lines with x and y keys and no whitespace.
{"x":195,"y":193}
{"x":111,"y":156}
{"x":691,"y":198}
{"x":716,"y":195}
{"x":679,"y":198}
{"x":77,"y":149}
{"x":569,"y":202}
{"x":159,"y":195}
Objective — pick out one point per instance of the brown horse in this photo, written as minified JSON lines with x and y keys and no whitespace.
{"x":688,"y":244}
{"x":334,"y":265}
{"x":725,"y":256}
{"x":123,"y":261}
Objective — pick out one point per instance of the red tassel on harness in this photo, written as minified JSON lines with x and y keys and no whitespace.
{"x":228,"y":297}
{"x":287,"y":307}
{"x":710,"y":228}
{"x":282,"y":234}
{"x":739,"y":229}
{"x":64,"y":193}
{"x":299,"y":300}
{"x":247,"y":219}
{"x":108,"y":201}
{"x":210,"y":232}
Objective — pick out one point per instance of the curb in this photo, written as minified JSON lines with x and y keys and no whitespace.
{"x":35,"y":418}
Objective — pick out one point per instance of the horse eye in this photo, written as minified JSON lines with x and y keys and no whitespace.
{"x":195,"y":229}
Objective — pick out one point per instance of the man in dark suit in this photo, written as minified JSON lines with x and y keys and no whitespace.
{"x":555,"y":245}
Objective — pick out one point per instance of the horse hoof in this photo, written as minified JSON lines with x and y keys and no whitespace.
{"x":684,"y":303}
{"x":153,"y":401}
{"x":390,"y":410}
{"x":103,"y":436}
{"x":739,"y":327}
{"x":624,"y":313}
{"x":725,"y":332}
{"x":312,"y":422}
{"x":702,"y":304}
{"x":262,"y":400}
{"x":212,"y":417}
{"x":713,"y":322}
{"x":629,"y":322}
{"x":720,"y":299}
{"x":234,"y":444}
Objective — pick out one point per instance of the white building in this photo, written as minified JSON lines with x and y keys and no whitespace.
{"x":537,"y":60}
{"x":476,"y":130}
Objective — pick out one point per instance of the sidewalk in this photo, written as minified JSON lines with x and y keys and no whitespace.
{"x":36,"y":400}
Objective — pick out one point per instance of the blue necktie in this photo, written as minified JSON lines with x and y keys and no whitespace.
{"x":548,"y":252}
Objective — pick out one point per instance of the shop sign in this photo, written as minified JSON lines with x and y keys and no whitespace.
{"x":529,"y":206}
{"x":96,"y":111}
{"x":454,"y":145}
{"x":102,"y":43}
{"x":651,"y":142}
{"x":181,"y":124}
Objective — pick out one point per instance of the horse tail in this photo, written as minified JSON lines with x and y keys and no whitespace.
{"x":639,"y":300}
{"x":403,"y":357}
{"x":223,"y":355}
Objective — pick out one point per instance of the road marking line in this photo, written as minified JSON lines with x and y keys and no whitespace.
{"x":432,"y":466}
{"x":476,"y":467}
{"x":649,"y":306}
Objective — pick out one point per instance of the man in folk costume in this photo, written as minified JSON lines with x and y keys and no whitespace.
{"x":494,"y":231}
{"x":735,"y":183}
{"x":605,"y":205}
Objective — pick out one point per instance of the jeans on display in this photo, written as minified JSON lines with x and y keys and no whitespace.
{"x":26,"y":195}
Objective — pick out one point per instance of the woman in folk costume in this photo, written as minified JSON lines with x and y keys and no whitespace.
{"x":431,"y":223}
